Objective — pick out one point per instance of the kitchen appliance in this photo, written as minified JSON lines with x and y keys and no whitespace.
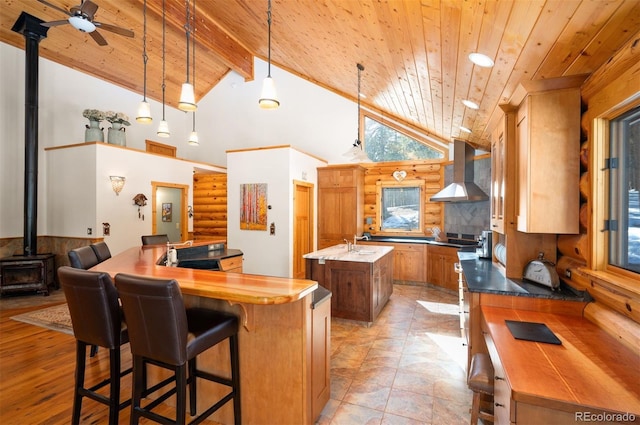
{"x":543,"y":272}
{"x":463,"y":188}
{"x":484,"y":244}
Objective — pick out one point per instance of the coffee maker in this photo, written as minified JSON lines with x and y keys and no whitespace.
{"x":484,"y":244}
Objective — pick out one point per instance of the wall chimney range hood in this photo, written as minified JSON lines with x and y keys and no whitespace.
{"x":463,"y":189}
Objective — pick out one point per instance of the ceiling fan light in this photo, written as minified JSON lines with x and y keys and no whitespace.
{"x":163,"y":129}
{"x":268,"y":96}
{"x":481,"y":60}
{"x":144,"y":113}
{"x":193,"y":139}
{"x":82,"y":24}
{"x":187,"y":98}
{"x":469,"y":104}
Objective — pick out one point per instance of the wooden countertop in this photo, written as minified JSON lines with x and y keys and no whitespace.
{"x":235,"y":287}
{"x":590,"y":368}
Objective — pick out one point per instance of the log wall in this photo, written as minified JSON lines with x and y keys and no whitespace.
{"x":209,"y":205}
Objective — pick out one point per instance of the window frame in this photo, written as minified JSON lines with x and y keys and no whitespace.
{"x":412,"y":183}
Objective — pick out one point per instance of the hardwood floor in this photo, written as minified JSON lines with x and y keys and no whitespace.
{"x":406,"y":368}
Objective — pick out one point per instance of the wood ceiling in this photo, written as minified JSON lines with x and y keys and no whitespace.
{"x":415,"y":52}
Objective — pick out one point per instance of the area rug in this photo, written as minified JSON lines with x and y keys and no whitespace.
{"x":56,"y":318}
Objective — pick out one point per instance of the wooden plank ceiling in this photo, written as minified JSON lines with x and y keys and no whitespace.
{"x":415,"y":52}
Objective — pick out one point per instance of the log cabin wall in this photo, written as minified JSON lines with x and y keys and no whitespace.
{"x":432,"y":172}
{"x":209,"y":205}
{"x":613,"y":88}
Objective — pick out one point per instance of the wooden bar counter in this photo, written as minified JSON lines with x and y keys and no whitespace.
{"x":590,"y":377}
{"x":276,"y":337}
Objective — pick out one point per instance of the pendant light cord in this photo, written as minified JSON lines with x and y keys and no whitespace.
{"x":145,"y":58}
{"x":187,"y":28}
{"x":269,"y":42}
{"x":360,"y":69}
{"x":193,"y":40}
{"x":163,"y":55}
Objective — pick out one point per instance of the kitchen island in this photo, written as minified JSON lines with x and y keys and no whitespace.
{"x":360,"y":280}
{"x":284,"y":364}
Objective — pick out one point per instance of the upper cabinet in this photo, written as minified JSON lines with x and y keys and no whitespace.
{"x":340,"y":204}
{"x":536,"y":159}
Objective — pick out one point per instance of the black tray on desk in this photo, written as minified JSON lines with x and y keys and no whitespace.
{"x":530,"y":331}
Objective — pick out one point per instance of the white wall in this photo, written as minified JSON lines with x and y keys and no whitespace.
{"x":267,"y":254}
{"x":311,"y":119}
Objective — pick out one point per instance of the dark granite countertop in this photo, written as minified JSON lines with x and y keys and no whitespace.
{"x":320,"y":295}
{"x":421,"y":240}
{"x":482,"y":276}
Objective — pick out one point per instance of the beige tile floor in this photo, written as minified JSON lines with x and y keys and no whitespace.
{"x":408,"y":367}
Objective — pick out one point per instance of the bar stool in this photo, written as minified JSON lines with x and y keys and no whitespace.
{"x":83,"y":258}
{"x":480,"y":381}
{"x":101,"y":250}
{"x":160,"y":329}
{"x":97,"y":320}
{"x":155,"y":239}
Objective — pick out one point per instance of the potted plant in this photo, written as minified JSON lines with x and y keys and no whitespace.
{"x":93,"y":132}
{"x":116,"y":133}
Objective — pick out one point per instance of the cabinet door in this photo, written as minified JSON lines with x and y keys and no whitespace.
{"x":337,"y":177}
{"x":409,"y":263}
{"x":337,"y":214}
{"x":449,"y":276}
{"x":350,"y":285}
{"x":320,"y":357}
{"x":498,"y":177}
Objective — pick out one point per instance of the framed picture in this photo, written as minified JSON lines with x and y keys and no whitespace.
{"x":253,"y":206}
{"x":167,"y":209}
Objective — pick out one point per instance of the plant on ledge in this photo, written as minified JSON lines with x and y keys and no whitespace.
{"x":117,"y":118}
{"x":93,"y":114}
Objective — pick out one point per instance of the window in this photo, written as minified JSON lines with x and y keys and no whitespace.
{"x":400,"y":206}
{"x":384,"y":141}
{"x":624,"y":183}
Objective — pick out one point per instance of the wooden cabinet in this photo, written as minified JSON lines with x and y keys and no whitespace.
{"x":547,"y":141}
{"x":441,"y":262}
{"x":502,"y":410}
{"x":340,"y":204}
{"x":409,"y":264}
{"x":231,"y":264}
{"x":502,"y":170}
{"x":359,"y":290}
{"x":320,"y":357}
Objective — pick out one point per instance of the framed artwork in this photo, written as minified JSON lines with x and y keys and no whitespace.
{"x":253,"y":206}
{"x":167,"y":210}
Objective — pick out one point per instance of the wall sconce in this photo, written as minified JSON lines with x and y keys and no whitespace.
{"x":117,"y":183}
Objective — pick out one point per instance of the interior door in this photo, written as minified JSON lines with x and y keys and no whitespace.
{"x":169,"y":210}
{"x":302,"y":226}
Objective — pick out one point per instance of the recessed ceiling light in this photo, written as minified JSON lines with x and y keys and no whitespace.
{"x":470,"y":104}
{"x":465,"y":129}
{"x":481,"y":60}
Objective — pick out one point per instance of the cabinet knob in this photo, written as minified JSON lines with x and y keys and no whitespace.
{"x":499,"y":378}
{"x":499,"y":405}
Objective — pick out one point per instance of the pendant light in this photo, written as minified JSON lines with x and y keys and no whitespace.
{"x":356,"y":151}
{"x":187,"y":95}
{"x":163,"y":128}
{"x":268,"y":96}
{"x":144,"y":109}
{"x":193,"y":137}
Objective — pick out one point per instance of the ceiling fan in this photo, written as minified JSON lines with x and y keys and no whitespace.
{"x":81,"y":18}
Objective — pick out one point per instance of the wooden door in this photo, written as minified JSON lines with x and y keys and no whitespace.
{"x":177,"y":217}
{"x":302,"y":226}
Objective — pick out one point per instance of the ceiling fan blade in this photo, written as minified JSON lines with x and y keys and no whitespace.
{"x":88,"y":8}
{"x":98,"y":38}
{"x":54,"y":23}
{"x":112,"y":28}
{"x":53,"y":6}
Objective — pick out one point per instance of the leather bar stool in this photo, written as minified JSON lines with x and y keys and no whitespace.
{"x":155,"y":239}
{"x":480,"y":381}
{"x":163,"y":332}
{"x":97,"y":320}
{"x":102,"y":251}
{"x":83,"y":258}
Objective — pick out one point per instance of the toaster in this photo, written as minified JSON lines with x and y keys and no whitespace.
{"x":543,"y":272}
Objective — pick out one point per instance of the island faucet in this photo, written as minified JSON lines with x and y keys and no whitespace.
{"x":361,"y":238}
{"x":349,"y":245}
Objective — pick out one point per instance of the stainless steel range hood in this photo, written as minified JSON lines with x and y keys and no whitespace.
{"x":463,"y":189}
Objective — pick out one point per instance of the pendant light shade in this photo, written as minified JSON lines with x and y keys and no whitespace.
{"x":193,"y":138}
{"x":144,"y":109}
{"x":268,"y":96}
{"x":187,"y":98}
{"x":163,"y":128}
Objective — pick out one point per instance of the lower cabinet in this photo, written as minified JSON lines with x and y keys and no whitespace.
{"x":320,"y":357}
{"x":231,"y":264}
{"x":441,"y":262}
{"x":408,"y":261}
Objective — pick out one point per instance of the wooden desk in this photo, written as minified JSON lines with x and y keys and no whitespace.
{"x":591,"y":373}
{"x":276,"y":341}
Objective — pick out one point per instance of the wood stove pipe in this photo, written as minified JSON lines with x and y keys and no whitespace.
{"x":29,"y":26}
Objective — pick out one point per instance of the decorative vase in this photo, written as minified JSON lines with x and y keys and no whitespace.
{"x":93,"y":133}
{"x":116,"y":134}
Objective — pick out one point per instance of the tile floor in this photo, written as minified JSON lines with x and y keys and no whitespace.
{"x":408,"y":367}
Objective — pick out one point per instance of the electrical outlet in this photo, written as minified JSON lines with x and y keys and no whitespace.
{"x":89,"y":230}
{"x":567,"y":274}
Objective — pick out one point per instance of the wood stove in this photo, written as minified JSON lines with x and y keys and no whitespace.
{"x":21,"y":273}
